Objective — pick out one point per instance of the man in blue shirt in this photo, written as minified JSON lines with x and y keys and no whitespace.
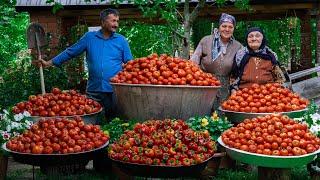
{"x":106,"y":51}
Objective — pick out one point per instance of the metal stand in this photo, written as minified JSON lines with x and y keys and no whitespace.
{"x":32,"y":172}
{"x":265,"y":173}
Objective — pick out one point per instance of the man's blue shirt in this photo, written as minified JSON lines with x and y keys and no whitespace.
{"x":104,"y":58}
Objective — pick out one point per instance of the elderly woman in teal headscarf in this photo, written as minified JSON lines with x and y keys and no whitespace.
{"x":215,"y":54}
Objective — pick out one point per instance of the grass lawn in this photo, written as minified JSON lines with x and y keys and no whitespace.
{"x":238,"y":174}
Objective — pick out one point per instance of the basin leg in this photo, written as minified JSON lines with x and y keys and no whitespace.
{"x":265,"y":173}
{"x":121,"y":175}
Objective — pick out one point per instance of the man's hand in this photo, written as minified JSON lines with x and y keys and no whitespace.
{"x":42,"y":62}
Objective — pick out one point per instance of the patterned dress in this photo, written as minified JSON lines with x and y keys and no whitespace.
{"x":213,"y":58}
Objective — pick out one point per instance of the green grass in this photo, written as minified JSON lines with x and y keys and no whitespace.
{"x":17,"y":174}
{"x":87,"y":175}
{"x":227,"y":174}
{"x":300,"y":173}
{"x":223,"y":174}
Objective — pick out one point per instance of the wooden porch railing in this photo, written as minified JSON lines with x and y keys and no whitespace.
{"x":309,"y":88}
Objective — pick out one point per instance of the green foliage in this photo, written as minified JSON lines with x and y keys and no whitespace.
{"x":281,"y":34}
{"x":226,"y":174}
{"x":12,"y":33}
{"x":223,"y":174}
{"x":214,"y":125}
{"x":12,"y":125}
{"x":179,"y":23}
{"x":56,"y":6}
{"x":18,"y":78}
{"x":22,"y":79}
{"x":242,"y":4}
{"x":314,"y":40}
{"x":75,"y":67}
{"x":200,"y":28}
{"x":312,"y":118}
{"x":145,"y":39}
{"x":117,"y":127}
{"x":299,"y":173}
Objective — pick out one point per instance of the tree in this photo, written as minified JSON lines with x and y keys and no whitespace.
{"x":169,"y":10}
{"x":181,"y":23}
{"x":12,"y":33}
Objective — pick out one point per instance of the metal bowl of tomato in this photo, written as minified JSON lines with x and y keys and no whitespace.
{"x":45,"y":160}
{"x":268,"y":160}
{"x":91,"y":118}
{"x":237,"y":117}
{"x":161,"y":171}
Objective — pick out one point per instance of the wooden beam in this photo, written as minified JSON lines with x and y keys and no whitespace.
{"x":96,"y":12}
{"x":210,"y":10}
{"x":258,"y":8}
{"x":309,"y":88}
{"x":304,"y":73}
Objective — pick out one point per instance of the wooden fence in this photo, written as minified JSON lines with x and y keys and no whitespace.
{"x":309,"y":88}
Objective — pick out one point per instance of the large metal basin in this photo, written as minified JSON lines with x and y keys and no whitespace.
{"x":238,"y":117}
{"x":268,"y":160}
{"x":143,"y":102}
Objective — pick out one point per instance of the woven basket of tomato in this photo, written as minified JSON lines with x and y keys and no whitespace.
{"x":260,"y":100}
{"x":57,"y":141}
{"x":60,"y":104}
{"x":162,"y":148}
{"x":164,"y":86}
{"x":271,"y":141}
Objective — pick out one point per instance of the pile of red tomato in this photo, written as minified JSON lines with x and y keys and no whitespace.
{"x":274,"y":134}
{"x":59,"y":136}
{"x":164,"y":70}
{"x":164,"y":143}
{"x":268,"y":98}
{"x":58,"y":103}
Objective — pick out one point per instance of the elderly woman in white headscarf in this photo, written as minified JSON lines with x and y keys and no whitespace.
{"x":215,"y":54}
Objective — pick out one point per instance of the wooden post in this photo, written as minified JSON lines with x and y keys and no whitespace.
{"x":3,"y":166}
{"x":306,"y":55}
{"x":265,"y":173}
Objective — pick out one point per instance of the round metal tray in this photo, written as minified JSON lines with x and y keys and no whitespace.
{"x":157,"y":171}
{"x":144,"y":101}
{"x":238,"y":117}
{"x":54,"y":159}
{"x":269,"y":161}
{"x":87,"y":118}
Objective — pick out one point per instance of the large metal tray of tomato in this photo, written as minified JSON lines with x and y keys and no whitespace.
{"x":55,"y":159}
{"x":91,"y":118}
{"x":263,"y":99}
{"x":161,"y":171}
{"x":57,"y":103}
{"x":238,"y":117}
{"x":268,"y":160}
